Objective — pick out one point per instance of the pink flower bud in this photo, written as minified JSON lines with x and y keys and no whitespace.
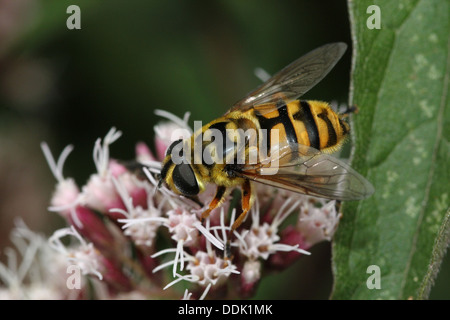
{"x":148,"y":264}
{"x":100,"y":194}
{"x":65,"y":196}
{"x":161,"y":147}
{"x":250,"y":276}
{"x":92,"y":227}
{"x":115,"y":278}
{"x":116,"y":168}
{"x":135,"y":189}
{"x":143,"y":153}
{"x":290,"y":236}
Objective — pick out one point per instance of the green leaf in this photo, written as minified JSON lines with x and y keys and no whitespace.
{"x":440,"y":246}
{"x":400,"y":82}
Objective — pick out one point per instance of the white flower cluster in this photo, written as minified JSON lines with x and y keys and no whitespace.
{"x":126,"y":228}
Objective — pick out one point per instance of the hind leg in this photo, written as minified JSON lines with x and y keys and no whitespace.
{"x":215,"y":202}
{"x":247,"y":201}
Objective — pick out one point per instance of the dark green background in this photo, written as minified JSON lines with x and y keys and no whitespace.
{"x":132,"y":57}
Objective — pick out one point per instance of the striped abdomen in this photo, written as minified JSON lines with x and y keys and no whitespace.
{"x":309,"y":123}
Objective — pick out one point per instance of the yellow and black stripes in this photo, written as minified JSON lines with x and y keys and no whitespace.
{"x":310,"y":123}
{"x":282,"y":118}
{"x":305,"y":115}
{"x":332,"y":129}
{"x":332,"y":136}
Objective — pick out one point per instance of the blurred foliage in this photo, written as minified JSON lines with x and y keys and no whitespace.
{"x":130,"y":58}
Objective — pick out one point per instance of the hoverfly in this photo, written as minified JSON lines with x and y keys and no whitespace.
{"x":298,"y":158}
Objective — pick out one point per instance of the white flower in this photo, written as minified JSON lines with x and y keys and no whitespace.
{"x":84,"y":255}
{"x":187,"y":295}
{"x":317,"y":224}
{"x":100,"y":193}
{"x":210,"y":269}
{"x":101,"y":151}
{"x":33,"y":269}
{"x":185,"y":228}
{"x":140,"y":224}
{"x":66,"y":194}
{"x":261,"y":240}
{"x":206,"y":268}
{"x":182,"y":226}
{"x":251,"y":272}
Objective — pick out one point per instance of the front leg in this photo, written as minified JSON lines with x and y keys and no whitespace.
{"x":247,"y":201}
{"x":215,"y":202}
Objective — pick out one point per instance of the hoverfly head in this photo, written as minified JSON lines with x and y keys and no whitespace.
{"x":178,"y":173}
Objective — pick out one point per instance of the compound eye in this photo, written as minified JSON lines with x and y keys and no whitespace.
{"x":184,"y":180}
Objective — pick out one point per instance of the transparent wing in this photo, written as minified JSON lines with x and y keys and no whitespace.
{"x":308,"y":171}
{"x":295,"y":79}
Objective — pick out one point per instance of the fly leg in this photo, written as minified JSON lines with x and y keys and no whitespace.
{"x":247,"y":201}
{"x":215,"y":202}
